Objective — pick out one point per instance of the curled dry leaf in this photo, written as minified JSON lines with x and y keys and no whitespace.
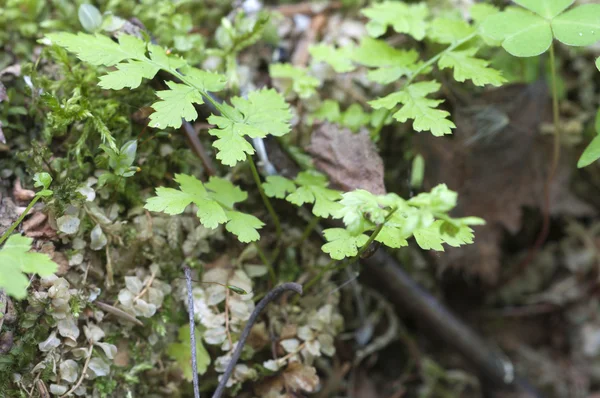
{"x":350,"y":160}
{"x":21,"y":194}
{"x":38,"y":226}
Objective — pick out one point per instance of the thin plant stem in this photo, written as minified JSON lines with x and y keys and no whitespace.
{"x":308,"y":230}
{"x":272,"y":295}
{"x":264,"y":197}
{"x":555,"y":117}
{"x":266,"y":261}
{"x":188,"y":278}
{"x":14,"y":225}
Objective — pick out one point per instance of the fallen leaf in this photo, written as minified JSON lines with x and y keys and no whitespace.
{"x":38,"y":226}
{"x":350,"y":160}
{"x":497,"y":162}
{"x":20,"y":194}
{"x":299,"y":377}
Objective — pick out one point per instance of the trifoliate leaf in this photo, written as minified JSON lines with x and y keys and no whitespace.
{"x":545,"y":8}
{"x":418,"y":107}
{"x":579,"y":26}
{"x":15,"y":260}
{"x":175,"y":104}
{"x":591,"y":153}
{"x":466,"y":66}
{"x":338,"y":58}
{"x":313,"y":189}
{"x":182,"y":352}
{"x":173,"y":201}
{"x":215,"y":201}
{"x":448,"y":31}
{"x":391,"y":63}
{"x":403,"y":18}
{"x":244,"y":226}
{"x":432,"y":237}
{"x":301,"y":83}
{"x":341,"y":244}
{"x":520,"y":32}
{"x":278,"y":187}
{"x":264,"y":112}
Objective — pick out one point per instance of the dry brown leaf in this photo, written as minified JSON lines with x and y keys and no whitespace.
{"x":299,"y":377}
{"x":350,"y":160}
{"x":38,"y":226}
{"x":21,"y":194}
{"x":497,"y":162}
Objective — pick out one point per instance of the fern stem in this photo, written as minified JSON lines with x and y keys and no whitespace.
{"x":555,"y":116}
{"x":266,"y":261}
{"x":14,"y":225}
{"x":265,"y":198}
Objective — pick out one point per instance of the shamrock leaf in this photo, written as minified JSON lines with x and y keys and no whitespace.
{"x":529,"y":32}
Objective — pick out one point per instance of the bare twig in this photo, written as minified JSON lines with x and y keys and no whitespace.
{"x":145,"y":289}
{"x":118,"y":312}
{"x":272,"y":295}
{"x":85,"y":366}
{"x":188,"y":278}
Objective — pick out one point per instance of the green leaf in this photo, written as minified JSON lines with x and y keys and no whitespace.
{"x":264,"y":112}
{"x":466,"y":66}
{"x":579,"y":26}
{"x":182,"y":352}
{"x":215,"y":201}
{"x":391,"y":63}
{"x":16,"y":259}
{"x":204,"y":80}
{"x":89,"y":17}
{"x":547,"y":9}
{"x":448,"y":31}
{"x":175,"y":104}
{"x":42,"y":180}
{"x":313,"y":189}
{"x":355,"y":206}
{"x":100,"y":50}
{"x":418,"y":107}
{"x":128,"y":74}
{"x":598,"y":63}
{"x":278,"y":187}
{"x":520,"y":32}
{"x":403,"y":18}
{"x":302,"y":84}
{"x":225,"y":192}
{"x":244,"y":226}
{"x":338,"y":58}
{"x":432,"y":237}
{"x":591,"y":153}
{"x":439,"y":199}
{"x":480,"y":11}
{"x":341,"y":244}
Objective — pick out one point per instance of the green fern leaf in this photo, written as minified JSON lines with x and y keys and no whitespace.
{"x":264,"y":112}
{"x":244,"y":226}
{"x":302,"y":83}
{"x":391,"y":64}
{"x":16,"y":260}
{"x":341,"y":244}
{"x":403,"y":18}
{"x":175,"y":104}
{"x":337,"y":58}
{"x":419,"y":108}
{"x":466,"y":66}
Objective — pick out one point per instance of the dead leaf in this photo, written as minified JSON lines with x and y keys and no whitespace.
{"x":38,"y":226}
{"x":497,"y":162}
{"x":299,"y":377}
{"x":20,"y":194}
{"x":350,"y":160}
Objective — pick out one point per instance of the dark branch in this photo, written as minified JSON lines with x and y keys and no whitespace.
{"x":272,"y":295}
